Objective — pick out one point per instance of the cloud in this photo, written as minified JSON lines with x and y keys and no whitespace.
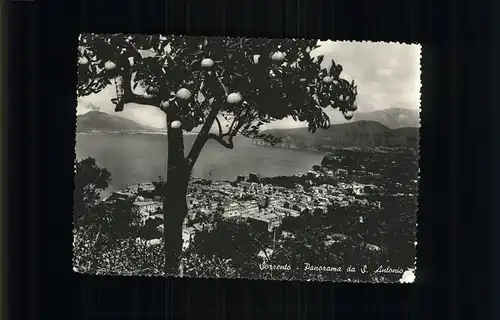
{"x":384,"y":72}
{"x":387,"y":75}
{"x":146,"y":115}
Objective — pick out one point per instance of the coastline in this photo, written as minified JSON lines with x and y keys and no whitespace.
{"x":164,"y":133}
{"x":325,"y":149}
{"x":125,"y":133}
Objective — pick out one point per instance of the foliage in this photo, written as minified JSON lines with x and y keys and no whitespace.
{"x":150,"y":229}
{"x":238,"y":248}
{"x":89,"y":181}
{"x":233,"y":248}
{"x":125,"y":220}
{"x":283,"y":181}
{"x":158,"y":66}
{"x":201,"y":266}
{"x":115,"y":219}
{"x":197,"y":81}
{"x":335,"y":238}
{"x":105,"y":232}
{"x":160,"y":187}
{"x":237,"y":243}
{"x":121,"y":257}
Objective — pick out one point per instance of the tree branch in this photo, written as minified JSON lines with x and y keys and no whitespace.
{"x":220,"y":82}
{"x":233,"y":130}
{"x":125,"y":94}
{"x":202,"y":137}
{"x":236,"y":117}
{"x":133,"y":50}
{"x":237,"y":128}
{"x":142,"y":99}
{"x":87,"y":89}
{"x":239,"y":119}
{"x":219,"y":125}
{"x":220,"y":139}
{"x":261,"y":245}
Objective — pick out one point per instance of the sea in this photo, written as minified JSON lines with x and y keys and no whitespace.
{"x":136,"y":158}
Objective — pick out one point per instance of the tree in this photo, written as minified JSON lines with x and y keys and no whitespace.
{"x":90,"y":180}
{"x":89,"y":212}
{"x":237,"y":243}
{"x":234,"y":83}
{"x":125,"y":221}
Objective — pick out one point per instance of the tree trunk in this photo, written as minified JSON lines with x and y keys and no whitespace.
{"x":178,"y":174}
{"x":174,"y":203}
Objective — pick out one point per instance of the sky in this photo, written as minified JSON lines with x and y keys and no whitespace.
{"x":387,"y":75}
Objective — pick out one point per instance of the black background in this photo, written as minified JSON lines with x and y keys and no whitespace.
{"x":457,"y":162}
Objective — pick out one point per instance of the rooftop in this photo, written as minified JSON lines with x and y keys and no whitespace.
{"x":122,"y":193}
{"x":264,"y":216}
{"x":146,"y":203}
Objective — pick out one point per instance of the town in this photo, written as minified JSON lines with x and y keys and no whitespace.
{"x":346,"y":178}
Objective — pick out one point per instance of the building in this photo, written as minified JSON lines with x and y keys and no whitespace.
{"x":121,"y":195}
{"x":317,"y":168}
{"x":268,"y":220}
{"x":146,"y":186}
{"x":146,"y":208}
{"x":252,"y":177}
{"x":275,"y":202}
{"x":322,"y":208}
{"x":305,"y":198}
{"x":357,"y":189}
{"x":370,"y":189}
{"x":263,"y":201}
{"x":251,"y":208}
{"x":213,"y":205}
{"x":287,"y":212}
{"x":313,"y":174}
{"x":150,"y":242}
{"x":187,"y":237}
{"x":232,"y":210}
{"x":341,"y":172}
{"x":287,"y":234}
{"x":131,"y":189}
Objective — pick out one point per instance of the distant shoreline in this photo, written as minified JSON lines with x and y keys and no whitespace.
{"x":290,"y":148}
{"x":164,"y":133}
{"x":255,"y":142}
{"x":124,"y":133}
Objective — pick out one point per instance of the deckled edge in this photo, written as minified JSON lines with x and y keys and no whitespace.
{"x":408,"y":275}
{"x":73,"y":226}
{"x":294,"y":38}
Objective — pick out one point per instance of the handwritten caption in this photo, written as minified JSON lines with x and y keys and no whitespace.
{"x":348,"y":269}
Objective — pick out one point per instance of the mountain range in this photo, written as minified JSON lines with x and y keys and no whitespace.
{"x":387,"y":127}
{"x":101,"y":121}
{"x":393,"y":118}
{"x":354,"y":134}
{"x":394,"y":126}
